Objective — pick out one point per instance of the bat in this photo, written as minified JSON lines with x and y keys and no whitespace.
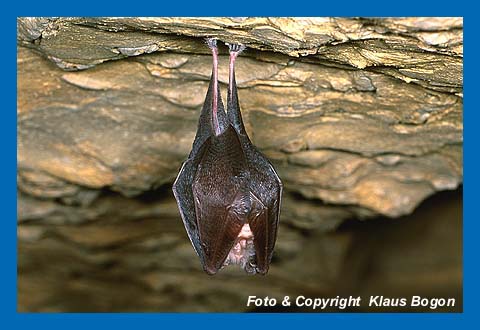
{"x":227,"y":192}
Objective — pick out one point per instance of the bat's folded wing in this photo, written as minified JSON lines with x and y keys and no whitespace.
{"x":219,"y":227}
{"x":182,"y":189}
{"x":266,"y":193}
{"x":222,"y":203}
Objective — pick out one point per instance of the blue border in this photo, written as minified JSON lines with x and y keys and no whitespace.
{"x":241,"y":321}
{"x":191,"y":8}
{"x":10,"y":318}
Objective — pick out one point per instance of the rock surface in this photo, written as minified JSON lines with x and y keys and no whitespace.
{"x":361,"y":117}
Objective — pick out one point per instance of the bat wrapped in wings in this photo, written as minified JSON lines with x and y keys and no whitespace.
{"x":227,"y":192}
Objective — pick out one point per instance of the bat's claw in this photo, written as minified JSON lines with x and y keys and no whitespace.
{"x":211,"y":42}
{"x":235,"y":48}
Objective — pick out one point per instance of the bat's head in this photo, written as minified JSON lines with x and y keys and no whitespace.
{"x":243,"y":251}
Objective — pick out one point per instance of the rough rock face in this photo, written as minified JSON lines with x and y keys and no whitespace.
{"x":361,"y":117}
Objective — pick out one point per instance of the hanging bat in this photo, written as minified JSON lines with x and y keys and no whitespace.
{"x":227,"y":192}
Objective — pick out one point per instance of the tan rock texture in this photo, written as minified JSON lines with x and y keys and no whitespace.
{"x":361,"y":118}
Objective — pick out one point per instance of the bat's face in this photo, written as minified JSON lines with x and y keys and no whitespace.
{"x":243,"y":251}
{"x":227,"y":191}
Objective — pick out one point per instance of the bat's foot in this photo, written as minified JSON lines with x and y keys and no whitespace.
{"x":212,"y":43}
{"x":235,"y":48}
